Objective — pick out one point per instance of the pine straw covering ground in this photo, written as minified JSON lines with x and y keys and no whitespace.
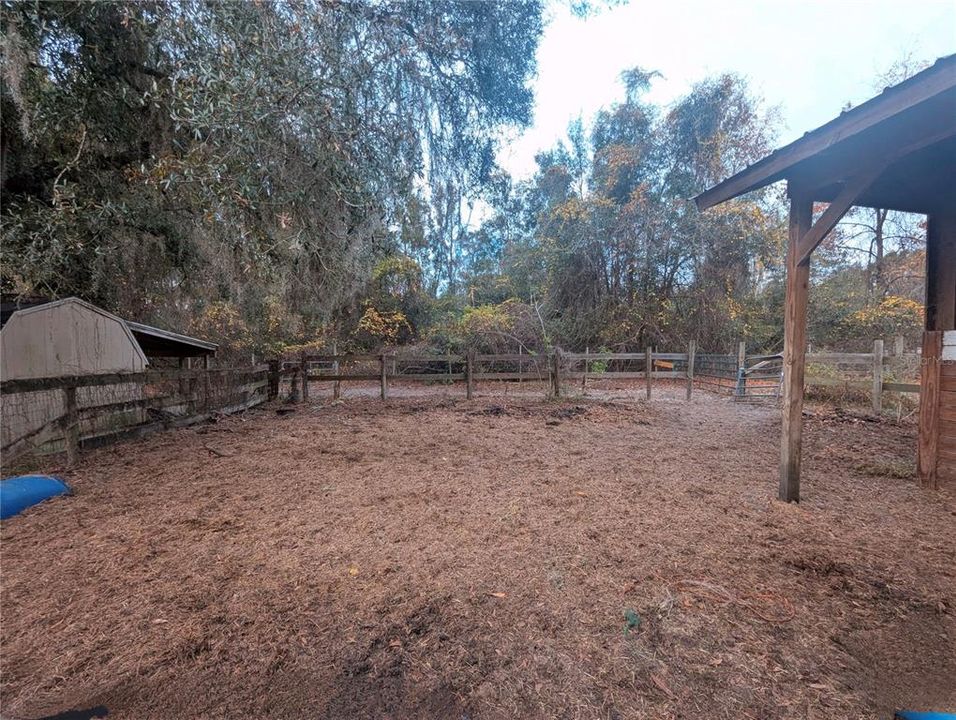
{"x":499,"y":558}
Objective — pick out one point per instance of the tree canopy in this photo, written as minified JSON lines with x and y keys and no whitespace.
{"x":268,"y":174}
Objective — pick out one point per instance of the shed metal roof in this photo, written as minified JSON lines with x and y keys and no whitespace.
{"x":154,"y":341}
{"x":165,"y":343}
{"x":913,"y":122}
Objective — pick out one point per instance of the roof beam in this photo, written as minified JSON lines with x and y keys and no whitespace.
{"x":836,"y":210}
{"x":856,"y":186}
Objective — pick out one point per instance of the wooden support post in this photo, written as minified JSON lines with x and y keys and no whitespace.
{"x":648,"y":369}
{"x":741,"y":367}
{"x":274,"y":379}
{"x":928,"y":442}
{"x":469,"y":374}
{"x":71,"y":432}
{"x":304,"y":365}
{"x":941,"y":271}
{"x":691,"y":353}
{"x":205,"y":384}
{"x":337,"y":385}
{"x":794,"y":349}
{"x":183,"y":383}
{"x":294,"y":394}
{"x":584,"y":375}
{"x":556,"y":373}
{"x":384,"y":391}
{"x":877,"y":393}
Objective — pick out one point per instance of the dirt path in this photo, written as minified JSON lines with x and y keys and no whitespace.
{"x":495,"y":558}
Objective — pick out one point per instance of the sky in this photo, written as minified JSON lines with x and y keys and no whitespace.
{"x":807,"y":57}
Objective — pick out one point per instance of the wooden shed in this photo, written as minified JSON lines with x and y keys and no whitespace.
{"x":66,"y":337}
{"x":896,"y":151}
{"x":50,"y":339}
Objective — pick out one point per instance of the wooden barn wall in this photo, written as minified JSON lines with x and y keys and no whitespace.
{"x":946,"y":449}
{"x":67,"y":338}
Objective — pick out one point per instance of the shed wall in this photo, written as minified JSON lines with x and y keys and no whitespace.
{"x":66,"y":338}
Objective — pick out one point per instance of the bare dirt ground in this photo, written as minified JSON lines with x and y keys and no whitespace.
{"x":504,"y":557}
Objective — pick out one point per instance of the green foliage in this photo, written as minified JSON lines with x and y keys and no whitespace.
{"x":161,"y":157}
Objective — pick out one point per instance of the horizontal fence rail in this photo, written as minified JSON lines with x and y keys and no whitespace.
{"x":741,"y":376}
{"x":74,"y":411}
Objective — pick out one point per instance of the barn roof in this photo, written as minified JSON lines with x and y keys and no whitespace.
{"x":154,"y":341}
{"x":157,"y":342}
{"x":912,"y":123}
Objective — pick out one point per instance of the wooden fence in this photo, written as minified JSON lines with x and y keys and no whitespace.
{"x":739,"y":375}
{"x":70,"y":412}
{"x":82,"y":411}
{"x":558,"y":369}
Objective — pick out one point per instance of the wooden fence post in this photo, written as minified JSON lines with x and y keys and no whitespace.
{"x":337,"y":385}
{"x":71,"y":433}
{"x":877,"y":376}
{"x":899,"y":346}
{"x":274,"y":378}
{"x":648,"y":368}
{"x":294,"y":394}
{"x":741,"y":389}
{"x":584,"y":375}
{"x":304,"y":365}
{"x":469,"y":374}
{"x":691,"y":352}
{"x":556,"y":372}
{"x":205,"y":383}
{"x":384,"y":392}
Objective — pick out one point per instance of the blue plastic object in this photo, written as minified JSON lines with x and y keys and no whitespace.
{"x":19,"y":493}
{"x":917,"y":715}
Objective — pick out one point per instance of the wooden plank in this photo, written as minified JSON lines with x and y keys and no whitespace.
{"x":344,"y":358}
{"x":947,"y":369}
{"x":691,"y":352}
{"x":511,"y":358}
{"x":944,"y":453}
{"x":596,"y":357}
{"x":841,"y":358}
{"x":275,"y":378}
{"x":795,"y":344}
{"x":469,"y":375}
{"x":876,"y":394}
{"x":71,"y":434}
{"x":947,"y":427}
{"x":428,"y":376}
{"x":839,"y":382}
{"x":511,"y":376}
{"x":384,"y":379}
{"x":320,"y":377}
{"x":837,"y":209}
{"x":929,"y":415}
{"x":903,"y":387}
{"x":648,"y":369}
{"x":556,"y":372}
{"x":304,"y":368}
{"x":337,"y":387}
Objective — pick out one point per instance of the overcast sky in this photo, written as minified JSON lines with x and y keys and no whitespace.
{"x":808,"y":57}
